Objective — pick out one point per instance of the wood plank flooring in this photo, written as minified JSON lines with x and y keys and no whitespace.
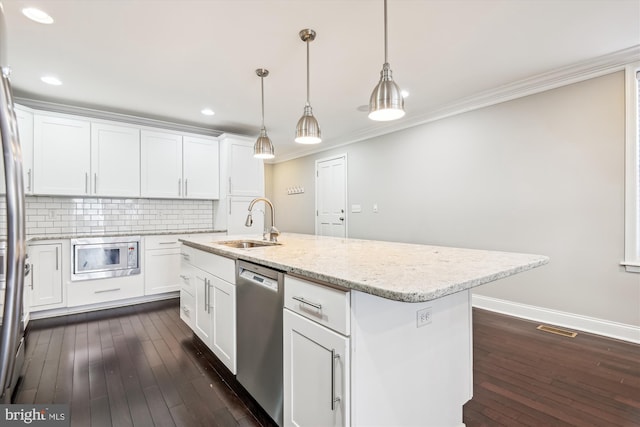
{"x":131,"y":366}
{"x":526,"y":377}
{"x":140,"y":366}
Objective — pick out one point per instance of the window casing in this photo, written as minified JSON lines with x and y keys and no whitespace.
{"x":632,"y":169}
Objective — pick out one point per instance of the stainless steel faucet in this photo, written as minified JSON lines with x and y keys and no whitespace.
{"x":273,"y":231}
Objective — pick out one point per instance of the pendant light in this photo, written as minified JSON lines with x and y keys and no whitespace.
{"x":308,"y":130}
{"x":386,"y":102}
{"x":263,"y":148}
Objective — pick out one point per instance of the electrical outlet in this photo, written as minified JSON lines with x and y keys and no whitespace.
{"x":423,"y":317}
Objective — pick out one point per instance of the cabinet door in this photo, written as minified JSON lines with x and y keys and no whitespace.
{"x":161,"y":164}
{"x":162,"y":270}
{"x":246,"y":173}
{"x":203,"y":305}
{"x":224,"y":322}
{"x":115,"y":160}
{"x":25,"y":132}
{"x":316,"y":374}
{"x":45,"y":280}
{"x":62,"y":155}
{"x":201,"y":168}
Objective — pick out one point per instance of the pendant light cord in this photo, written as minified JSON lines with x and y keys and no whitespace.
{"x":308,"y":103}
{"x":262,"y":92}
{"x":385,"y":33}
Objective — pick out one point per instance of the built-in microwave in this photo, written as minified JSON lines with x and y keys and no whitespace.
{"x":101,"y":257}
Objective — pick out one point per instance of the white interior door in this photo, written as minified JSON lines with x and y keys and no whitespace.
{"x":331,"y":196}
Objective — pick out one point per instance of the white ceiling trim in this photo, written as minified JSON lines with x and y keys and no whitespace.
{"x":596,"y":67}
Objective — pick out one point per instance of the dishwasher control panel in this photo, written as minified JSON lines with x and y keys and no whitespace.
{"x":259,"y":279}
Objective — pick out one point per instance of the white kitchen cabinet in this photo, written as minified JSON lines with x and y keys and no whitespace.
{"x":179,"y":167}
{"x":45,"y":281}
{"x":246,"y":173}
{"x":115,"y":160}
{"x":61,"y":155}
{"x":201,"y":172}
{"x":162,"y":264}
{"x":241,"y":180}
{"x":316,"y":355}
{"x":211,"y":278}
{"x":223,"y":340}
{"x":316,"y":372}
{"x":25,"y":132}
{"x":161,"y":164}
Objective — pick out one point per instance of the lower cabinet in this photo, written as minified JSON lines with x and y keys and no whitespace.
{"x":161,"y":264}
{"x":209,"y":280}
{"x":316,"y":372}
{"x":44,"y":283}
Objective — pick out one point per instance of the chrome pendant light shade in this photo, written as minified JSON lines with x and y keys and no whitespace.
{"x":263,"y":148}
{"x":308,"y":129}
{"x":386,"y":102}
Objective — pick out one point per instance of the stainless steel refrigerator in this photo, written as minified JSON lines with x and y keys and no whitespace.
{"x":12,"y":330}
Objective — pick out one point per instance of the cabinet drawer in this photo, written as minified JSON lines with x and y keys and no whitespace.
{"x":187,"y":281}
{"x":187,"y":308}
{"x":328,"y":306}
{"x":224,"y":268}
{"x":162,"y":242}
{"x":104,"y":290}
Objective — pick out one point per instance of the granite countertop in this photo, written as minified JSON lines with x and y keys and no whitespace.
{"x":397,"y":271}
{"x":131,"y":233}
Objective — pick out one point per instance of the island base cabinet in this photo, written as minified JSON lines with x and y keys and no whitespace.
{"x":411,"y":362}
{"x":316,"y":374}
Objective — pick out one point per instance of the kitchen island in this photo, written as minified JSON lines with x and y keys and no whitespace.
{"x":401,"y":351}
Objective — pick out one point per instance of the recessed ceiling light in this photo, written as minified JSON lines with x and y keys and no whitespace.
{"x":404,"y":93}
{"x":51,"y":80}
{"x":208,"y":112}
{"x":37,"y":15}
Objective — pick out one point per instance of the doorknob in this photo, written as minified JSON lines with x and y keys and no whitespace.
{"x":341,"y":218}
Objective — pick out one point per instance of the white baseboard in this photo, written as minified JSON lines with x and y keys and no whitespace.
{"x":591,"y":325}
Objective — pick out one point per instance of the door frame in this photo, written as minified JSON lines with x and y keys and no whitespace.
{"x":346,"y":188}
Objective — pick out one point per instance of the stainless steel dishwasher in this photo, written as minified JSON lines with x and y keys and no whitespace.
{"x":260,"y":299}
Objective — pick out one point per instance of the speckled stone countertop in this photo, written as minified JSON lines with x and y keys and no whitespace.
{"x":397,"y":271}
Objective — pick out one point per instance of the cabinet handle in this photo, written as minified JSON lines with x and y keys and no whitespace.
{"x":29,"y":180}
{"x":106,"y":290}
{"x":334,"y":399}
{"x":186,"y":187}
{"x":206,"y":300}
{"x":185,"y":257}
{"x":209,"y":295}
{"x":57,"y":258}
{"x":229,"y":185}
{"x":185,"y":310}
{"x":167,"y":243}
{"x":86,"y":183}
{"x":185,"y":278}
{"x":179,"y":186}
{"x":95,"y":183}
{"x":312,"y":304}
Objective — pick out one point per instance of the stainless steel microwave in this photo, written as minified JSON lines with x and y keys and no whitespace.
{"x":101,"y":257}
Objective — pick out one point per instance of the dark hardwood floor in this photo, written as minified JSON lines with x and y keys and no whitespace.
{"x":526,"y":377}
{"x":130,"y":366}
{"x":140,"y":366}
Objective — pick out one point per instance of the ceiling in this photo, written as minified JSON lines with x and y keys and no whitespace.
{"x":169,"y":59}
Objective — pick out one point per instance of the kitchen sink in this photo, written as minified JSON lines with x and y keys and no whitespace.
{"x":246,"y":244}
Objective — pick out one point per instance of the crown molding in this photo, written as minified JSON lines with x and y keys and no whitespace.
{"x":113,"y":116}
{"x":574,"y":73}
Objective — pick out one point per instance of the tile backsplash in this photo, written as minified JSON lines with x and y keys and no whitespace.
{"x":50,"y":216}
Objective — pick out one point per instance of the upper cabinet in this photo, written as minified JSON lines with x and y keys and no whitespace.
{"x":115,"y":160}
{"x":25,"y":134}
{"x":174,"y":166}
{"x":62,"y":155}
{"x":200,"y":160}
{"x":245,"y":173}
{"x":75,"y":157}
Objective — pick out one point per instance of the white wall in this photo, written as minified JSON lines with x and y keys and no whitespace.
{"x":541,"y":174}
